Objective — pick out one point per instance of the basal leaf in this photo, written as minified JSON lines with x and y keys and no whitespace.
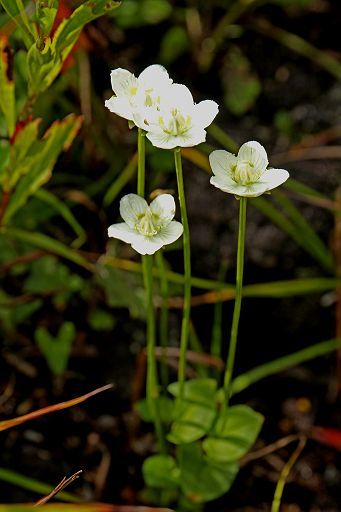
{"x":7,"y":97}
{"x":202,"y":479}
{"x":56,"y":350}
{"x":234,"y":433}
{"x":161,"y":471}
{"x":195,"y":413}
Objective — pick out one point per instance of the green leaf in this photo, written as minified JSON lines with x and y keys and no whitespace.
{"x":56,"y":350}
{"x":195,"y":413}
{"x":283,"y":363}
{"x":165,"y":407}
{"x":48,"y":274}
{"x":161,"y":471}
{"x":122,"y":290}
{"x":293,"y":227}
{"x":66,"y":213}
{"x":16,"y":10}
{"x":39,"y":161}
{"x":30,"y":484}
{"x":100,"y":320}
{"x":45,"y":64}
{"x":47,"y":244}
{"x":7,"y":96}
{"x":242,"y":86}
{"x":45,"y":15}
{"x":202,"y":479}
{"x":174,"y":43}
{"x":234,"y":433}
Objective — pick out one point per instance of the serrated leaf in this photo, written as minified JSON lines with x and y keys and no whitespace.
{"x":195,"y":413}
{"x":202,"y":479}
{"x":234,"y":433}
{"x":40,"y":160}
{"x":56,"y":349}
{"x":161,"y":471}
{"x":7,"y":97}
{"x":45,"y":64}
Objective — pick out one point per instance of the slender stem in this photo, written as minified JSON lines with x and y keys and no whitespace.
{"x":238,"y":301}
{"x":141,"y":163}
{"x":187,"y":273}
{"x":276,"y":504}
{"x":163,"y":317}
{"x":152,"y":379}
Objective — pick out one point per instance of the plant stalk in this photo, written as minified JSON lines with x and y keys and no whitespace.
{"x":238,"y":302}
{"x":187,"y":274}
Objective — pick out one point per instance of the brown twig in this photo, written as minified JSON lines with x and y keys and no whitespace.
{"x":270,"y":448}
{"x":60,"y":487}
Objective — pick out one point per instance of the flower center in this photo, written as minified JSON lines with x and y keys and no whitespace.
{"x":245,"y":173}
{"x":148,"y":223}
{"x":177,"y":124}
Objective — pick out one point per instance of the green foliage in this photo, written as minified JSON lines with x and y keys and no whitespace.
{"x":234,"y":433}
{"x":161,"y":471}
{"x":56,"y":349}
{"x":195,"y":413}
{"x":45,"y":58}
{"x":32,"y":160}
{"x":174,"y":44}
{"x":242,"y":86}
{"x":134,"y":13}
{"x":7,"y":99}
{"x":203,"y":479}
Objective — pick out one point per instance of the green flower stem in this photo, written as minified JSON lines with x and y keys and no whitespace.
{"x":141,"y":162}
{"x":187,"y":274}
{"x":164,"y":288}
{"x":152,"y":379}
{"x":238,"y":301}
{"x":152,"y":390}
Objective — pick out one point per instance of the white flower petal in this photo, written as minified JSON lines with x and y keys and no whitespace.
{"x":221,"y":162}
{"x":162,"y":140}
{"x":254,"y":153}
{"x":147,"y":244}
{"x":155,"y":76}
{"x":131,"y":207}
{"x":170,"y":233}
{"x":123,"y":232}
{"x":179,"y":96}
{"x":205,"y":112}
{"x":120,"y":106}
{"x":194,"y":136}
{"x":164,"y":207}
{"x":274,"y":177}
{"x":123,"y":82}
{"x":231,"y":187}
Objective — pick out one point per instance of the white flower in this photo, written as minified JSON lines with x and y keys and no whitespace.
{"x":245,"y":174}
{"x":176,"y":121}
{"x":135,"y":93}
{"x":147,"y":228}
